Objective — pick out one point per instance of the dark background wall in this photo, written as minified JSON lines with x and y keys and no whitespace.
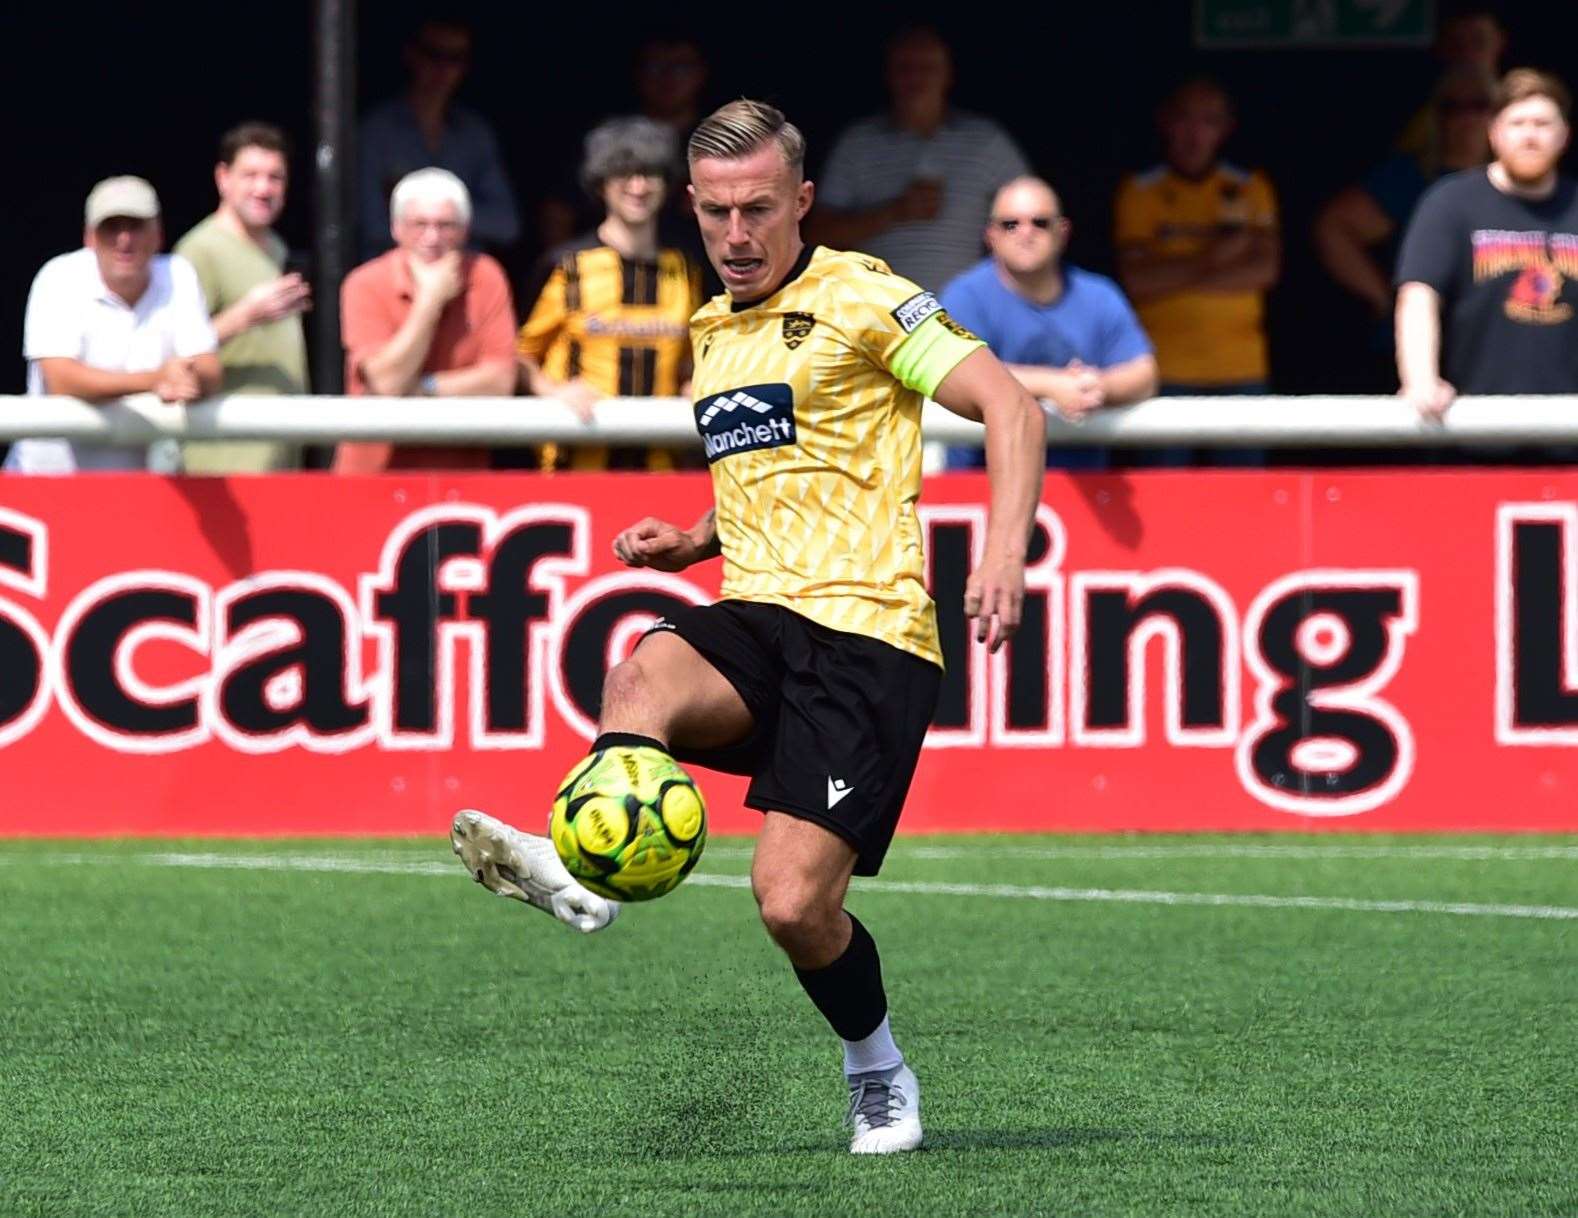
{"x":90,"y":90}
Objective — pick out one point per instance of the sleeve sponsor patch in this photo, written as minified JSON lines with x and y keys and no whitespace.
{"x":915,"y":310}
{"x":958,"y":331}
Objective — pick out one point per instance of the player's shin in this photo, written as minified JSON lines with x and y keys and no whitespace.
{"x":884,"y":1095}
{"x":850,"y":995}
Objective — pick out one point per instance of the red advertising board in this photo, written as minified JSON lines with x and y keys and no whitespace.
{"x":1202,"y":651}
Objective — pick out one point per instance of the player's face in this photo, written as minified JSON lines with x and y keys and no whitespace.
{"x":1025,"y":233}
{"x":750,"y":211}
{"x":634,"y":197}
{"x":429,"y":230}
{"x":253,"y":186}
{"x":1528,"y":138}
{"x":1194,"y":127}
{"x":124,"y":246}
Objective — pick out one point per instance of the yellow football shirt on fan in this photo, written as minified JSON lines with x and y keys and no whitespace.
{"x":809,"y":407}
{"x":1201,"y":338}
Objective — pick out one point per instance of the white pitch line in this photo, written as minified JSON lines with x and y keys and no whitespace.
{"x":1313,"y":853}
{"x":1474,"y":854}
{"x":1253,"y":900}
{"x":1126,"y":896}
{"x":1139,"y":853}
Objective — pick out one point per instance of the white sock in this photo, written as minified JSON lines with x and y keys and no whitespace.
{"x":875,"y":1052}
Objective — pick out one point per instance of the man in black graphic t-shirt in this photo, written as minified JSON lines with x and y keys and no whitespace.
{"x":1488,"y":273}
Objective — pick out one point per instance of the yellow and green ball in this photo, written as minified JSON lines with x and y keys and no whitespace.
{"x":629,"y":823}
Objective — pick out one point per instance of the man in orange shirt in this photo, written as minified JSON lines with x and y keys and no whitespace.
{"x":426,"y":319}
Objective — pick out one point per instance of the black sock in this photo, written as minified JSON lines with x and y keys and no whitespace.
{"x":849,"y":991}
{"x":626,"y":740}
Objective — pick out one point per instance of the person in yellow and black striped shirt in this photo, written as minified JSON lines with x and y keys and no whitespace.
{"x":817,"y":671}
{"x":612,"y":309}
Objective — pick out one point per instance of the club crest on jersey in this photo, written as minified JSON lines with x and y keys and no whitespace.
{"x":797,"y":328}
{"x":746,"y":419}
{"x":915,"y":310}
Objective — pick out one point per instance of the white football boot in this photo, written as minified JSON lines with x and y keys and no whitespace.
{"x":885,"y":1113}
{"x":527,"y":867}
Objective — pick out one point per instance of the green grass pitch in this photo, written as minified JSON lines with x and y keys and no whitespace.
{"x":1139,"y":1026}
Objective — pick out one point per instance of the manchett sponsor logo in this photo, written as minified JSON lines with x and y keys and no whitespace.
{"x":748,"y":436}
{"x":742,"y":420}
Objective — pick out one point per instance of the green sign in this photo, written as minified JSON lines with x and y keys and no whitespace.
{"x":1222,"y":24}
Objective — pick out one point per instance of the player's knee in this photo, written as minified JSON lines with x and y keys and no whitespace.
{"x":798,"y":917}
{"x":628,"y":684}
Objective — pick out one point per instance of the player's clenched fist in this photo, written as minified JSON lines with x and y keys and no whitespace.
{"x":657,"y":544}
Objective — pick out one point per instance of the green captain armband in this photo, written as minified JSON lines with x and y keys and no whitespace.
{"x":933,"y":350}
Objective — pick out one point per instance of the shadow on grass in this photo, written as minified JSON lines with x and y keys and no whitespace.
{"x":1057,"y":1139}
{"x":984,"y":1139}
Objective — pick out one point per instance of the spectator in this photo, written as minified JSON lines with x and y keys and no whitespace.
{"x":1495,"y":251}
{"x":611,"y":311}
{"x":1067,"y":335}
{"x":114,"y":318}
{"x":426,"y":128}
{"x":668,"y":76}
{"x":1197,"y":249}
{"x":427,"y":318}
{"x":914,"y":186}
{"x":1473,"y":39}
{"x":255,"y":306}
{"x":1356,"y":233}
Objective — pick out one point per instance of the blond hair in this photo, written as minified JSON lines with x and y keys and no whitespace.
{"x":736,"y":130}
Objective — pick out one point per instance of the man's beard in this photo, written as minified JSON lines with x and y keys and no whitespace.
{"x":1528,"y":168}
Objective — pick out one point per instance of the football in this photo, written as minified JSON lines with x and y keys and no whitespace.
{"x":628,"y":823}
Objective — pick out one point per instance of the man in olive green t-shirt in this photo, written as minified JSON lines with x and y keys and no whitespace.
{"x":256,"y":308}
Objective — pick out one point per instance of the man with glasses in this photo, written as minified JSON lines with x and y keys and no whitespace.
{"x":610,"y":312}
{"x":113,"y":318}
{"x":426,"y":319}
{"x":1067,"y":335}
{"x":425,"y":127}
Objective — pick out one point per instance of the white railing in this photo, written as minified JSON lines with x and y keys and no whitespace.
{"x":1258,"y":422}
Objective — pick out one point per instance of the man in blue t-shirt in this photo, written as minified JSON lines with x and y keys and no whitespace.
{"x":1069,"y":336}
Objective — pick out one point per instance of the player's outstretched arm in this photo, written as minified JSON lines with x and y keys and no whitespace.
{"x":665,"y":547}
{"x":981,"y":388}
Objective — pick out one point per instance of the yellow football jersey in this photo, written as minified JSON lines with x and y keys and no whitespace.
{"x":1201,"y":338}
{"x":620,"y":324}
{"x":809,"y":408}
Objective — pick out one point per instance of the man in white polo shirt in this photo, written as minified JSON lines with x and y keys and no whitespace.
{"x":914,"y":186}
{"x":114,"y":318}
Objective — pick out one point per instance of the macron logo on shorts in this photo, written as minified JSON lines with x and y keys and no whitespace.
{"x":743,"y":420}
{"x":837,"y":788}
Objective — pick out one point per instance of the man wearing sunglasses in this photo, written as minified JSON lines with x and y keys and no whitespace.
{"x":424,"y":128}
{"x":1068,"y":336}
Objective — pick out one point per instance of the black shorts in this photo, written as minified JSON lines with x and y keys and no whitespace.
{"x":840,"y":718}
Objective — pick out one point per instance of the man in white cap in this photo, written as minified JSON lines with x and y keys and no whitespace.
{"x":111,"y":319}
